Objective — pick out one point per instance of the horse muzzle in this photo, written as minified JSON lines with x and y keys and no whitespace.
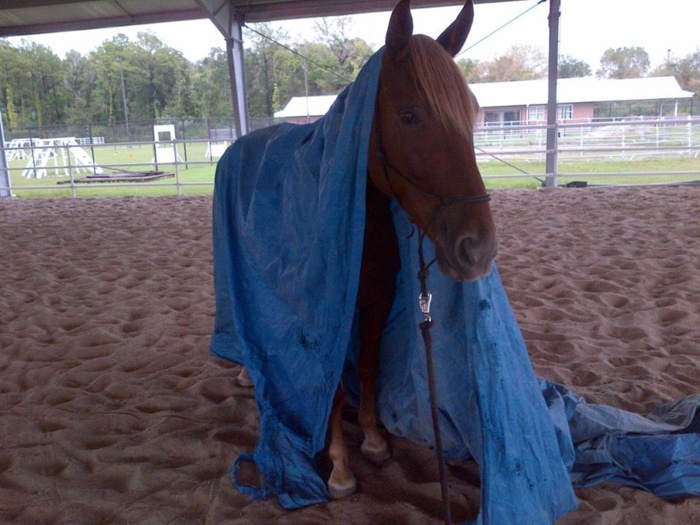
{"x":467,"y":257}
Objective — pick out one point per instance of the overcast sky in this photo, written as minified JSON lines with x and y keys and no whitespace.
{"x":587,"y":29}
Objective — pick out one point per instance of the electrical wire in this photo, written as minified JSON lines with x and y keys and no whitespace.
{"x":293,"y":51}
{"x":499,"y":28}
{"x":476,"y":44}
{"x":344,"y":79}
{"x":334,"y":73}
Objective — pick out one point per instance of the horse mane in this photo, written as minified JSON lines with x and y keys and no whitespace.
{"x":442,"y":85}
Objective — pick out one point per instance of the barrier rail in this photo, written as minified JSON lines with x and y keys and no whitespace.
{"x":503,"y":153}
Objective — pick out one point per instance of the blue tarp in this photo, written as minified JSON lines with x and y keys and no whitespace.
{"x":288,"y":219}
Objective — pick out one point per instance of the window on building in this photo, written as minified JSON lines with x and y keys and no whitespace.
{"x":565,"y":111}
{"x":493,"y":118}
{"x":502,"y":117}
{"x":535,"y":113}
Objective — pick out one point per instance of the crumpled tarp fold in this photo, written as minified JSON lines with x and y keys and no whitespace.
{"x":288,"y":223}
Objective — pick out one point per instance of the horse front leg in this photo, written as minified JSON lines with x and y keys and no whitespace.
{"x":372,"y":320}
{"x":380,"y":265}
{"x":341,"y":482}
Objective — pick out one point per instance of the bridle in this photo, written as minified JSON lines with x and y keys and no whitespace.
{"x":443,"y":201}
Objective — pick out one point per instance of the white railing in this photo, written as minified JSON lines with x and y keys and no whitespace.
{"x":601,"y":140}
{"x":517,"y":145}
{"x":589,"y":142}
{"x":60,"y":164}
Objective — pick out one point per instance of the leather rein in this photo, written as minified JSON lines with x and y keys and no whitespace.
{"x":424,"y":300}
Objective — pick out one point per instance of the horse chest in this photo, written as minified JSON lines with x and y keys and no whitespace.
{"x":380,"y":256}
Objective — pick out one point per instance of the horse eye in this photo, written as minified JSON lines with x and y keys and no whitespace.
{"x":409,"y":117}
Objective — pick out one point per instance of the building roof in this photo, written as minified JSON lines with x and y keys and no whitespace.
{"x":297,"y":106}
{"x":533,"y":92}
{"x":577,"y":90}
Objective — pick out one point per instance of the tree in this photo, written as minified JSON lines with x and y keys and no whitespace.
{"x":80,"y":81}
{"x":264,"y":62}
{"x":31,"y":87}
{"x":10,"y":70}
{"x":350,"y":53}
{"x":624,"y":62}
{"x":162,"y":87}
{"x":519,"y":63}
{"x":569,"y":67}
{"x":687,"y":72}
{"x":468,"y":67}
{"x":112,"y":59}
{"x":211,"y":86}
{"x":326,"y":65}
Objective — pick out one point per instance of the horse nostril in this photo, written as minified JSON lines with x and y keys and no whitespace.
{"x":465,"y":252}
{"x":473,"y":250}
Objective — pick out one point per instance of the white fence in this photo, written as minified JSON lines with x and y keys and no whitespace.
{"x":622,"y":140}
{"x":48,"y":167}
{"x":589,"y":142}
{"x":522,"y":148}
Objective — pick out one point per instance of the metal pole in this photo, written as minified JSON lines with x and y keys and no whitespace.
{"x":69,"y":167}
{"x":126,"y":110}
{"x":552,"y":131}
{"x":234,"y":53}
{"x":184,"y":143}
{"x":5,"y":188}
{"x":305,"y":68}
{"x":230,"y":24}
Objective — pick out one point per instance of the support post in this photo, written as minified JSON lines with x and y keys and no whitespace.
{"x":126,"y":109}
{"x":552,"y":74}
{"x":5,"y":188}
{"x":230,"y":23}
{"x":234,"y":53}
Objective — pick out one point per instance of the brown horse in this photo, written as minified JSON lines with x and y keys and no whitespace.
{"x":421,"y":154}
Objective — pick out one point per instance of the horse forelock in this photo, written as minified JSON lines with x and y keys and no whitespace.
{"x":441,"y":84}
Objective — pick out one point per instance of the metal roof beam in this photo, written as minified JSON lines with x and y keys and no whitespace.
{"x":21,"y":4}
{"x":102,"y":22}
{"x":266,"y":11}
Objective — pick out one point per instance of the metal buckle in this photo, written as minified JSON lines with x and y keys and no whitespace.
{"x":424,"y":300}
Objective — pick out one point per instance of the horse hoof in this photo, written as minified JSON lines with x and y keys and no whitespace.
{"x":243,"y":378}
{"x":342,"y":490}
{"x":377,"y":456}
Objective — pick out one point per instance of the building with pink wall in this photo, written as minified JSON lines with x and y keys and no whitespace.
{"x":525,"y":102}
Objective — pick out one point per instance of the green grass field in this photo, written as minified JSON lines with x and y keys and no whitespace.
{"x":660,"y":170}
{"x":197,"y":176}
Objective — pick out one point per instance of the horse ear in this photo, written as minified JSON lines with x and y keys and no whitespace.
{"x":454,"y":37}
{"x":400,"y":30}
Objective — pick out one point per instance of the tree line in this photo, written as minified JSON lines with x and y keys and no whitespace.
{"x":145,"y":79}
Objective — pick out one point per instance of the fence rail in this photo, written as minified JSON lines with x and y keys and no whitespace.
{"x":78,"y":166}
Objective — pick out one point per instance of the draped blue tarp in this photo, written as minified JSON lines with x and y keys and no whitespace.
{"x":288,"y":219}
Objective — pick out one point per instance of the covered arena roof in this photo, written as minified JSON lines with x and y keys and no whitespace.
{"x":30,"y":17}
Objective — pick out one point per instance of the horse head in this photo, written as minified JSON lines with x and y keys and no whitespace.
{"x":422,"y":149}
